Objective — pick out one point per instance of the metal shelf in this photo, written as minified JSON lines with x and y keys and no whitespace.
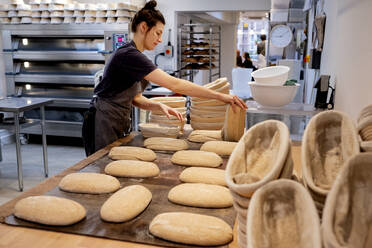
{"x":209,"y":37}
{"x":192,"y":32}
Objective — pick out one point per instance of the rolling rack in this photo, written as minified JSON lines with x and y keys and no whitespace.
{"x":199,"y":48}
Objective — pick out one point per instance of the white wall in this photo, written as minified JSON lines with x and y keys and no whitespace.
{"x":228,"y":50}
{"x":348,"y":53}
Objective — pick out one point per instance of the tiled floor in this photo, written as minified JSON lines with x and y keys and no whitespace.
{"x":60,"y":157}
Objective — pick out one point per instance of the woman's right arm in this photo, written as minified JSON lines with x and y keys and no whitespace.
{"x":188,"y":88}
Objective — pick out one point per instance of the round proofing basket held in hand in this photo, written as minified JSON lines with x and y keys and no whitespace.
{"x":173,"y":102}
{"x":258,"y":158}
{"x":348,"y":205}
{"x":329,"y":140}
{"x":282,"y":212}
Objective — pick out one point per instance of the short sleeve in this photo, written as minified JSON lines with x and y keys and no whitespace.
{"x":134,"y":64}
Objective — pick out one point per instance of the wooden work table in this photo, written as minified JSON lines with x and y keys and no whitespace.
{"x":12,"y":236}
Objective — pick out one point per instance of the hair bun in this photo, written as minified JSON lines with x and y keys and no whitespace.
{"x":150,"y":5}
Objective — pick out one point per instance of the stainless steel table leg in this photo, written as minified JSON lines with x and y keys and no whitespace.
{"x":1,"y":153}
{"x":43,"y":134}
{"x":18,"y":150}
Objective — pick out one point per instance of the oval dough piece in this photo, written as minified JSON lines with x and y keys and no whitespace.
{"x":132,"y":168}
{"x":223,"y":148}
{"x":201,"y":195}
{"x":165,"y":144}
{"x":126,"y":204}
{"x":196,"y":158}
{"x":49,"y":210}
{"x":203,"y":175}
{"x":132,"y":153}
{"x":202,"y":136}
{"x":192,"y":229}
{"x":91,"y":183}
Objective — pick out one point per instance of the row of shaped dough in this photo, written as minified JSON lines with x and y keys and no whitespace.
{"x":182,"y":227}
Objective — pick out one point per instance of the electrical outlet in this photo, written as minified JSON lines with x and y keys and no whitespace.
{"x":168,"y":51}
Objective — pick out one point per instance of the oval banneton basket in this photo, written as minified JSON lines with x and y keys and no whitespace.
{"x":233,"y":128}
{"x":258,"y":158}
{"x":365,"y":112}
{"x":329,"y":140}
{"x":347,"y":212}
{"x":282,"y":214}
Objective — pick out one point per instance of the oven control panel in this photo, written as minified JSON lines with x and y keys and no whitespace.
{"x":119,"y":40}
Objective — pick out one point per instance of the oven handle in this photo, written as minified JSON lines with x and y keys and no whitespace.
{"x":104,"y":52}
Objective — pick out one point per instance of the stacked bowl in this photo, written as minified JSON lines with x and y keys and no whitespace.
{"x":262,"y":155}
{"x":209,"y":114}
{"x":269,"y":88}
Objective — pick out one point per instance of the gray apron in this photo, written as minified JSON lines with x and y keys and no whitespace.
{"x":113,"y":115}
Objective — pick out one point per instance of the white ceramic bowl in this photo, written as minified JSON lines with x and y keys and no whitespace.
{"x":274,"y":75}
{"x":273,"y":95}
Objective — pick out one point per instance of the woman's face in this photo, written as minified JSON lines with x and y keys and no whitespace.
{"x":153,"y":36}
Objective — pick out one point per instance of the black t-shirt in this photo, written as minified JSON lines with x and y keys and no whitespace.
{"x":125,"y":67}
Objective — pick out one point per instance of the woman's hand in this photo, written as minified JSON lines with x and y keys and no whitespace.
{"x":235,"y":101}
{"x":168,"y":111}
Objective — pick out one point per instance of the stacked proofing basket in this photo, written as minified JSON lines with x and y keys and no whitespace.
{"x":263,"y":154}
{"x":178,"y":103}
{"x":209,"y":114}
{"x":329,"y":140}
{"x":365,"y":128}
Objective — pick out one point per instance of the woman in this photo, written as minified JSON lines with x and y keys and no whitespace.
{"x":248,"y":62}
{"x":125,"y":77}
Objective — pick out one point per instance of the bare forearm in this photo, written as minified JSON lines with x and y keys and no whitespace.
{"x":190,"y":89}
{"x":144,"y":103}
{"x":181,"y":86}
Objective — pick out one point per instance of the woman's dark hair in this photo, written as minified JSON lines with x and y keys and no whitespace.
{"x":147,"y":14}
{"x":246,"y":55}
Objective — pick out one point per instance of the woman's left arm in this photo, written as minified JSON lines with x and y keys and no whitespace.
{"x":144,"y":103}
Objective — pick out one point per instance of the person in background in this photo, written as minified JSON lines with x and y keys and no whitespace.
{"x":239,"y":60}
{"x":261,"y":46}
{"x":248,"y":62}
{"x":125,"y":77}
